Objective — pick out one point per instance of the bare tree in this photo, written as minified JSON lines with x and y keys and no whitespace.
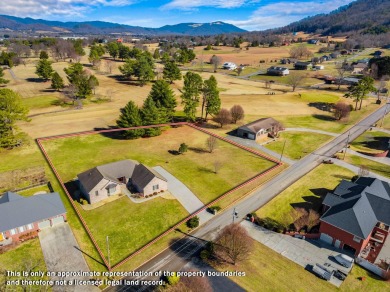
{"x":341,"y":110}
{"x":233,"y":244}
{"x":237,"y":113}
{"x":313,"y":219}
{"x":341,"y":71}
{"x":275,"y":129}
{"x":196,"y":284}
{"x":215,"y":61}
{"x":239,"y":70}
{"x":294,"y":80}
{"x":363,"y":171}
{"x":109,"y":66}
{"x":211,"y":143}
{"x":223,"y":117}
{"x":297,"y":215}
{"x":217,"y":166}
{"x":300,"y":52}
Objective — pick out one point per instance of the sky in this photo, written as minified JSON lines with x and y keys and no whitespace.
{"x":247,"y":14}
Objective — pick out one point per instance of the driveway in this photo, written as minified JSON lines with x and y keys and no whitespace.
{"x":305,"y":253}
{"x":62,"y":254}
{"x":184,"y":195}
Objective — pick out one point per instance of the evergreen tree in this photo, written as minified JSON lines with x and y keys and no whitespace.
{"x":57,"y":82}
{"x":360,"y":90}
{"x":165,"y":57}
{"x":131,"y":117}
{"x":43,"y":55}
{"x":2,"y":80}
{"x":156,"y":54}
{"x":171,"y":72}
{"x":211,"y":101}
{"x":11,"y":111}
{"x":78,"y":47}
{"x":164,"y":98}
{"x":93,"y":82}
{"x":128,"y":68}
{"x":44,"y":69}
{"x":152,"y":115}
{"x":144,"y":69}
{"x":82,"y":81}
{"x":190,"y":94}
{"x":113,"y":49}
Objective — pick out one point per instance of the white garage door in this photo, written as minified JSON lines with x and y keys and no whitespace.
{"x":326,"y":238}
{"x":44,"y":224}
{"x":57,"y":220}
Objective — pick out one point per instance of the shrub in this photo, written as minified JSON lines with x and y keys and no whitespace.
{"x":155,"y":193}
{"x":193,"y":222}
{"x":173,"y":280}
{"x":205,"y":254}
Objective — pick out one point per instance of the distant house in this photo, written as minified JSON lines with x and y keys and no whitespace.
{"x":106,"y":180}
{"x":350,"y":81}
{"x":303,"y":65}
{"x":359,"y":68}
{"x":335,"y":55}
{"x":319,"y":67}
{"x":357,"y":219}
{"x":313,"y":42}
{"x":259,"y":128}
{"x":325,"y":58}
{"x":23,"y":217}
{"x":278,"y":71}
{"x":364,"y":61}
{"x":229,"y":66}
{"x":377,"y":54}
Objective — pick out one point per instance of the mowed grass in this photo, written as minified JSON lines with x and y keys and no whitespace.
{"x":297,"y":144}
{"x":371,"y":142}
{"x":194,"y":168}
{"x":40,"y":101}
{"x":32,"y":191}
{"x":26,"y":255}
{"x":267,"y":270}
{"x":130,"y":226}
{"x":372,"y":166}
{"x":308,"y":192}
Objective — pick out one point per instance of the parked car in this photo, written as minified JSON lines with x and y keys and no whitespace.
{"x":344,"y":260}
{"x":339,"y":275}
{"x":321,"y":272}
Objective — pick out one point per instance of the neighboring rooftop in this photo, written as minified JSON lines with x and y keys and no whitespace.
{"x":356,"y":207}
{"x":16,"y":210}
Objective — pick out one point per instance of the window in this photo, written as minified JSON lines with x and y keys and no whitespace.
{"x":356,"y":239}
{"x":30,"y":226}
{"x":21,"y":229}
{"x":13,"y":231}
{"x":156,"y":187}
{"x":111,"y":189}
{"x":96,"y":193}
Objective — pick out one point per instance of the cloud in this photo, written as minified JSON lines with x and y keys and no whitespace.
{"x":48,"y":8}
{"x":282,"y":13}
{"x":190,"y":5}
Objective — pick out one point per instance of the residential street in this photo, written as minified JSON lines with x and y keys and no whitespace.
{"x":177,"y":256}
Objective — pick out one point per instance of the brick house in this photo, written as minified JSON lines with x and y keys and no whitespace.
{"x":23,"y":217}
{"x":357,"y":215}
{"x":106,"y":180}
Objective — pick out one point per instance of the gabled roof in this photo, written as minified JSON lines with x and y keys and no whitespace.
{"x":143,"y":175}
{"x":20,"y":211}
{"x":303,"y":63}
{"x":357,"y":207}
{"x":257,"y":125}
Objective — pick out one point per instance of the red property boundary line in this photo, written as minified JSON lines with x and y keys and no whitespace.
{"x":39,"y":140}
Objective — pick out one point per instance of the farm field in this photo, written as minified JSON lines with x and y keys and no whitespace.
{"x":308,"y":192}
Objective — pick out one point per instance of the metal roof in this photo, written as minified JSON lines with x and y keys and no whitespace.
{"x":257,"y":125}
{"x":17,"y":211}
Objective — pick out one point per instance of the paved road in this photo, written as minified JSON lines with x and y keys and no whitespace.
{"x":62,"y":254}
{"x":312,"y":131}
{"x":177,"y":255}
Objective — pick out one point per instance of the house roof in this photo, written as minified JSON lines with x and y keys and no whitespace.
{"x":16,"y":211}
{"x":256,"y":126}
{"x":303,"y":64}
{"x":357,"y":207}
{"x":143,"y":175}
{"x":140,"y":174}
{"x":277,"y":69}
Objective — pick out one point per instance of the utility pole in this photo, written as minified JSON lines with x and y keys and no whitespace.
{"x":235,"y":214}
{"x":281,"y":156}
{"x":346,"y":145}
{"x":108,"y":252}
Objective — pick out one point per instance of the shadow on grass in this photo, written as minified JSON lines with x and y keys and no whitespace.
{"x":116,"y":135}
{"x":124,"y":80}
{"x":198,"y":150}
{"x":323,"y":106}
{"x":324,"y":117}
{"x":205,"y":170}
{"x":376,"y":143}
{"x":174,"y":152}
{"x":91,"y":257}
{"x":73,"y":190}
{"x":312,"y":202}
{"x":36,"y":80}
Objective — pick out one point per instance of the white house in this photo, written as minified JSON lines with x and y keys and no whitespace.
{"x":229,"y":66}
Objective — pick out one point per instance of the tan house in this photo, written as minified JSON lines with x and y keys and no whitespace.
{"x":106,"y":180}
{"x":259,"y":129}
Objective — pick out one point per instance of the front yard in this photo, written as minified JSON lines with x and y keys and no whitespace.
{"x":371,"y":142}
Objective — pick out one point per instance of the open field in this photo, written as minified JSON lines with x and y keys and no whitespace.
{"x":372,"y":166}
{"x":28,"y":255}
{"x":308,"y":192}
{"x":196,"y":163}
{"x":130,"y":226}
{"x":371,"y":142}
{"x":298,"y":144}
{"x":272,"y":272}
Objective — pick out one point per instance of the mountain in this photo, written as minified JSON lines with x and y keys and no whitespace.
{"x":363,"y":16}
{"x":101,"y":27}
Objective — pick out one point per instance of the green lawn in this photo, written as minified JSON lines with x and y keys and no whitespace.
{"x":283,"y":79}
{"x":23,"y":257}
{"x":195,"y":168}
{"x":319,"y":97}
{"x":371,"y":142}
{"x":308,"y":192}
{"x":38,"y":102}
{"x":130,"y":225}
{"x":32,"y":191}
{"x":297,"y":144}
{"x":379,"y":168}
{"x":267,"y":270}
